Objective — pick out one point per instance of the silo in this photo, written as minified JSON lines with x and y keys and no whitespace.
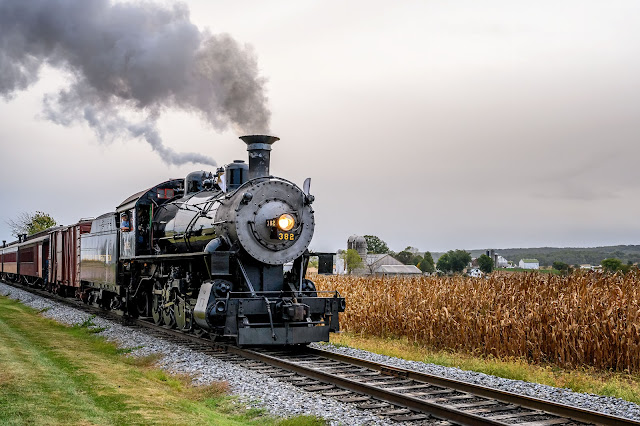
{"x":359,"y":244}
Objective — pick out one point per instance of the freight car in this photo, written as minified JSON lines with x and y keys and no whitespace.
{"x":203,"y":254}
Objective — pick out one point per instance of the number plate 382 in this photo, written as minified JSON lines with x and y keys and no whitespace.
{"x":286,"y":236}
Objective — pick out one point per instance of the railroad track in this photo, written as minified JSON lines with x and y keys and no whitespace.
{"x":390,"y":392}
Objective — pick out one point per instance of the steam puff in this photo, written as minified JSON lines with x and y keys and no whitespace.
{"x":130,"y":57}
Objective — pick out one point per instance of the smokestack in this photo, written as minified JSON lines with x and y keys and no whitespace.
{"x":259,"y":147}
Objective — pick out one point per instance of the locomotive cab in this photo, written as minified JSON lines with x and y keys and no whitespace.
{"x":136,"y":239}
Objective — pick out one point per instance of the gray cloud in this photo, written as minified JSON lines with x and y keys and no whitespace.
{"x":130,"y":60}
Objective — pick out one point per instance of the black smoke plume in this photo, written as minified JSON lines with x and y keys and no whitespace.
{"x":130,"y":60}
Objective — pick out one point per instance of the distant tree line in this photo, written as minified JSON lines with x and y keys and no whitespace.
{"x":574,"y":256}
{"x":616,"y":265}
{"x":608,"y":265}
{"x":562,"y":259}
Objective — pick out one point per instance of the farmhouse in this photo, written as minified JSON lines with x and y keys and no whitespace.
{"x":475,"y":272}
{"x":529,"y":264}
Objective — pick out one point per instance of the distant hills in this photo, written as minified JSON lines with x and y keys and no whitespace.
{"x":570,"y":255}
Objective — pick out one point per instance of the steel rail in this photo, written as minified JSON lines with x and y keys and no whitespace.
{"x":575,"y":413}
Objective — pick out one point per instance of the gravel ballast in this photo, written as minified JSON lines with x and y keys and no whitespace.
{"x":284,"y":399}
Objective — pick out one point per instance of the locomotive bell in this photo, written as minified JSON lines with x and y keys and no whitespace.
{"x":259,"y":147}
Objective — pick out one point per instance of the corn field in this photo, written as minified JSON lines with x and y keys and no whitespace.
{"x":581,"y":319}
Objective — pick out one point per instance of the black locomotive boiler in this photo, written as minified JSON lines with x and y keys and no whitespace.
{"x":223,"y":253}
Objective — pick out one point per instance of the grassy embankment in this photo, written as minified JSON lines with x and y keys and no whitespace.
{"x":580,"y":331}
{"x":51,"y":374}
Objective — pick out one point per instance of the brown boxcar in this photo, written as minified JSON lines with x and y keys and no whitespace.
{"x":64,"y":254}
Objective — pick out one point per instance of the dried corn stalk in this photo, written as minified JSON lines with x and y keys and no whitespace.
{"x":581,"y":319}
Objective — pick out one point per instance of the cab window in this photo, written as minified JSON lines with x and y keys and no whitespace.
{"x":125,"y":222}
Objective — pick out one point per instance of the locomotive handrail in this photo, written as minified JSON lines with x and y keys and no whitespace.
{"x":163,"y":256}
{"x":259,"y":179}
{"x":246,"y":277}
{"x":289,"y":323}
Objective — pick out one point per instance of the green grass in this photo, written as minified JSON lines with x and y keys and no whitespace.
{"x":585,"y":379}
{"x":51,"y":374}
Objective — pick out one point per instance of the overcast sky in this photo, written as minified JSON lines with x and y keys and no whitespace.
{"x":435,"y":124}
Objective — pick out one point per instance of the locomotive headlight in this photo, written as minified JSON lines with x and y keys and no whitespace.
{"x":286,"y":222}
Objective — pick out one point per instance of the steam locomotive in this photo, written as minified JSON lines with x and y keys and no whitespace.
{"x":205,"y":254}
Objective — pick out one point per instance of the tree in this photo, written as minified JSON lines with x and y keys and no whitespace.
{"x":454,"y":261}
{"x":444,"y":263}
{"x":352,"y":259}
{"x":427,"y":263}
{"x":404,"y":257}
{"x":375,"y":245}
{"x":459,"y":260}
{"x":30,"y":223}
{"x":485,"y":263}
{"x":415,"y":260}
{"x":560,"y":266}
{"x":612,"y":264}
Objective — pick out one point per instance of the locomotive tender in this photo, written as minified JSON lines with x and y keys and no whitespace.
{"x":204,"y":254}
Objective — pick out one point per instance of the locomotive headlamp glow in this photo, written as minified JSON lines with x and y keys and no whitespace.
{"x":286,"y":222}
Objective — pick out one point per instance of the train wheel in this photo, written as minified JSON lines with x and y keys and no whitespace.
{"x":183,"y":316}
{"x":142,"y":304}
{"x":168,"y":316}
{"x":168,"y":313}
{"x":156,"y":310}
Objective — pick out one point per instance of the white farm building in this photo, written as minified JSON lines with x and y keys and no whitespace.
{"x":529,"y":264}
{"x":501,"y":262}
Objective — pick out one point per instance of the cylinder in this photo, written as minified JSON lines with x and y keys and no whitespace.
{"x":259,"y":148}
